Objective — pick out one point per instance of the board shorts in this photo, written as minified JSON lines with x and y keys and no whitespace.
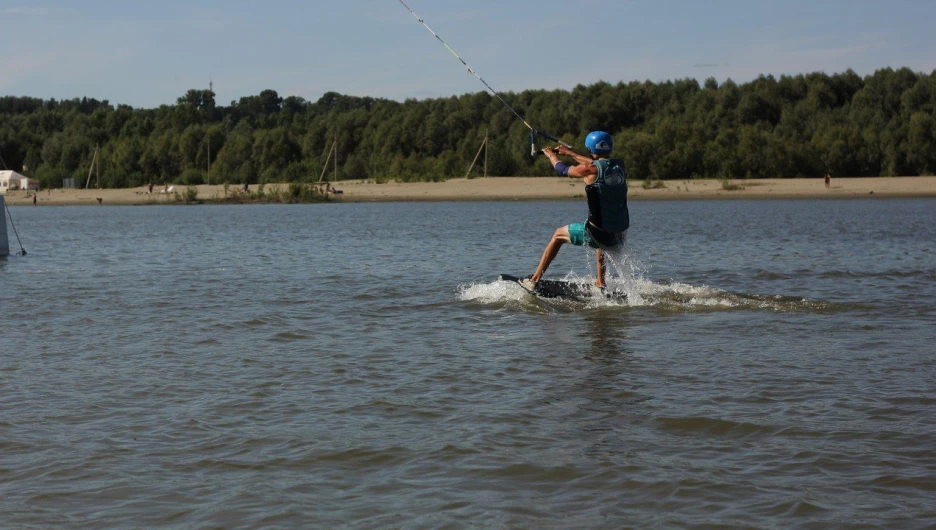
{"x":593,"y":237}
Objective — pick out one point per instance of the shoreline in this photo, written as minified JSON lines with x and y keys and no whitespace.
{"x":517,"y":189}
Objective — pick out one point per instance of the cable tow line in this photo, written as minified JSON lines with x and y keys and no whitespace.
{"x":533,"y":131}
{"x":22,"y":251}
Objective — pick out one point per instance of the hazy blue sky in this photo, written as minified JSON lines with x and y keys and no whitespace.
{"x":149,"y":53}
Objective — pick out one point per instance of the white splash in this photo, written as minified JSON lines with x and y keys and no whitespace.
{"x":492,"y":293}
{"x":626,"y":275}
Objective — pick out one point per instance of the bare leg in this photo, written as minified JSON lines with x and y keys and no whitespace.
{"x":560,"y":237}
{"x":600,"y":282}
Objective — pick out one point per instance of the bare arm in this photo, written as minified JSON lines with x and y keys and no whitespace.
{"x":583,"y":170}
{"x":581,"y":159}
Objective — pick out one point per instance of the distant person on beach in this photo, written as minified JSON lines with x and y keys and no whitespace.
{"x":151,"y":188}
{"x":246,"y":188}
{"x":606,"y":192}
{"x":34,"y":197}
{"x":828,"y":180}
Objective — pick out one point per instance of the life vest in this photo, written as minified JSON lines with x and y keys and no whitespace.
{"x":607,"y":197}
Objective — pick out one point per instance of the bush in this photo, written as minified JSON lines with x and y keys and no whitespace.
{"x":727,"y":185}
{"x":298,"y":192}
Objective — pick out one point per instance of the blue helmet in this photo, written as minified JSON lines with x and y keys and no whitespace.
{"x":599,"y":142}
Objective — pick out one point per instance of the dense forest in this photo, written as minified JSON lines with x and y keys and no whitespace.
{"x":794,"y":126}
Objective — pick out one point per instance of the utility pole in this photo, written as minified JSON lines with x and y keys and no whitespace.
{"x":332,"y":151}
{"x":485,"y":152}
{"x":475,"y":161}
{"x":91,"y":169}
{"x":335,"y":178}
{"x":207,"y":134}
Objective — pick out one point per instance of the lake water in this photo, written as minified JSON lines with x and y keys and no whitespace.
{"x":357,"y":366}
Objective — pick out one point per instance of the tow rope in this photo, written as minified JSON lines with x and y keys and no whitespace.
{"x":533,"y":131}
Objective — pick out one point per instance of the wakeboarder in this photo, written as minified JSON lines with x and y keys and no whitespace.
{"x":606,"y":192}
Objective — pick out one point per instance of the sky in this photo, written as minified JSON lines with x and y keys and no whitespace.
{"x":149,"y":53}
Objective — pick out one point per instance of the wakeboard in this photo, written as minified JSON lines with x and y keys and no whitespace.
{"x":566,"y":289}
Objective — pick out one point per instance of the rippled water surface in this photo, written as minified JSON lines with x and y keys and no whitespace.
{"x":357,"y":366}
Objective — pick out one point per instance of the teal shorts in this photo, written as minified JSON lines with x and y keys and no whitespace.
{"x":579,"y":237}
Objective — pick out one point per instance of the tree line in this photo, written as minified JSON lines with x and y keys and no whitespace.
{"x":792,"y":126}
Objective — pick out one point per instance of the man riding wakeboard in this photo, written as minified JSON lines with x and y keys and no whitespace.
{"x":606,"y":191}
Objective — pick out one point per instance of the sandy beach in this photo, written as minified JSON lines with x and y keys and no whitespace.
{"x":523,"y":188}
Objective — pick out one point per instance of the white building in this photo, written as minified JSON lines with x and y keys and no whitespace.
{"x":11,"y":180}
{"x":30,"y":184}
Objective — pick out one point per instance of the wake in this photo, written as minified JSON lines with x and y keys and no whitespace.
{"x":626,"y":275}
